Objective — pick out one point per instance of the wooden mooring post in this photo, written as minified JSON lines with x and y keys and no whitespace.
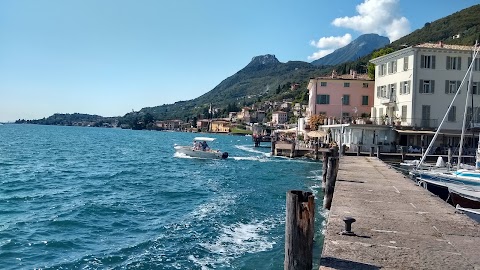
{"x":329,"y":175}
{"x":299,"y":230}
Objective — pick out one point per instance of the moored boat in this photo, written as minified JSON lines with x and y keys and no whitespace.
{"x":200,"y":149}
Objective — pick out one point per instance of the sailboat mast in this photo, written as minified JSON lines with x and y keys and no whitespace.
{"x":469,"y":86}
{"x":448,"y":110}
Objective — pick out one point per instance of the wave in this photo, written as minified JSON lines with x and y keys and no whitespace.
{"x":250,"y":149}
{"x":236,"y":240}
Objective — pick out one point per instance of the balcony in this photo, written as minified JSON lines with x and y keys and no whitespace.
{"x":388,"y":101}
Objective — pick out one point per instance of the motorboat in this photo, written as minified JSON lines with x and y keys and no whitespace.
{"x":467,"y":196}
{"x":200,"y":149}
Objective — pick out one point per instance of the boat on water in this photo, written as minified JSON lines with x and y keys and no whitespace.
{"x":466,"y":196}
{"x":472,"y":213}
{"x":200,"y":149}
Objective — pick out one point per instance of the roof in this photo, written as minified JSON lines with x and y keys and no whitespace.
{"x":444,"y":46}
{"x":358,"y":77}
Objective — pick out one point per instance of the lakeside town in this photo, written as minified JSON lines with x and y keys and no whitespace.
{"x":401,"y":108}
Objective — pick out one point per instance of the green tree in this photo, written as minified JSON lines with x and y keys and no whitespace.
{"x":381,"y":52}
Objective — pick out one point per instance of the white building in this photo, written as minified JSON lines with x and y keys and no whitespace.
{"x":279,"y":117}
{"x":414,"y":87}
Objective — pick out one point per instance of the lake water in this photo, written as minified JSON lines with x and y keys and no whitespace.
{"x":93,"y":198}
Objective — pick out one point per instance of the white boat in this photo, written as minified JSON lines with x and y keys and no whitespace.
{"x":200,"y":149}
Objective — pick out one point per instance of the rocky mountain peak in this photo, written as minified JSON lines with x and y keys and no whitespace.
{"x":266,"y":59}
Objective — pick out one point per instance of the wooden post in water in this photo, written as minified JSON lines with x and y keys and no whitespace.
{"x":316,"y":150}
{"x":273,"y":146}
{"x":324,"y":169}
{"x":299,"y":227}
{"x":450,"y":155}
{"x":332,"y":171}
{"x":292,"y":150}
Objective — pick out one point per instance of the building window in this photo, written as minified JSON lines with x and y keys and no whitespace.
{"x":323,"y":84}
{"x":475,"y":115}
{"x":427,"y":86}
{"x":475,"y":88}
{"x":346,"y":100}
{"x":392,"y":89}
{"x":405,"y":63}
{"x":451,"y":114}
{"x":476,"y":64}
{"x":404,"y":113}
{"x":364,"y":100}
{"x":392,"y":67}
{"x":323,"y":99}
{"x":425,"y":115}
{"x":382,"y":70}
{"x":451,"y":86}
{"x":347,"y":84}
{"x":365,"y":85}
{"x":454,"y":63}
{"x":405,"y":88}
{"x":427,"y":61}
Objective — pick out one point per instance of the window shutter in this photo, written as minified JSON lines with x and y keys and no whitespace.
{"x":448,"y":62}
{"x":420,"y":89}
{"x":469,"y":60}
{"x":433,"y":61}
{"x":459,"y":63}
{"x":458,"y":85}
{"x":401,"y":87}
{"x":447,"y":86}
{"x":432,"y":86}
{"x":422,"y":61}
{"x":378,"y":91}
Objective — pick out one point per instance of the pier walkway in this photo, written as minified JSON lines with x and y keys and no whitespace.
{"x":398,"y":225}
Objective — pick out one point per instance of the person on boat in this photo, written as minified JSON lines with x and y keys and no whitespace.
{"x":204,"y":146}
{"x":194,"y":145}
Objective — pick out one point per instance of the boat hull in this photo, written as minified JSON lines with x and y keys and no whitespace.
{"x":211,"y":154}
{"x":465,"y":198}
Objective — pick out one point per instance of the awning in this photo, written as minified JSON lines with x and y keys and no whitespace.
{"x":415,"y":132}
{"x":317,"y":134}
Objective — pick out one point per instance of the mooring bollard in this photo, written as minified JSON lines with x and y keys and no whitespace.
{"x":348,"y":226}
{"x":299,"y":228}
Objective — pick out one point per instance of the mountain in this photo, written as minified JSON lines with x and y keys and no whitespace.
{"x":263,"y":78}
{"x":363,"y":45}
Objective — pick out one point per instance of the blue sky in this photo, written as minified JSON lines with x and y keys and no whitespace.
{"x":110,"y":57}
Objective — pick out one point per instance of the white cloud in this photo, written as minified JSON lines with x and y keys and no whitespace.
{"x":328,"y":45}
{"x":377,"y":16}
{"x":374,"y":16}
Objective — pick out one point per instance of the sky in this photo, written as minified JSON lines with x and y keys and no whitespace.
{"x":109,"y":57}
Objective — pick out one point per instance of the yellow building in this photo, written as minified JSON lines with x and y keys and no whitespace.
{"x":220,"y":126}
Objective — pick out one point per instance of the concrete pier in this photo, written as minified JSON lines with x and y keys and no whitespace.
{"x":398,"y":225}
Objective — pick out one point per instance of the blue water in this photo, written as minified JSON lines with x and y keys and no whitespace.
{"x":94,"y":198}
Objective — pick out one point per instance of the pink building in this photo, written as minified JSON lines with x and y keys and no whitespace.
{"x":350,"y":95}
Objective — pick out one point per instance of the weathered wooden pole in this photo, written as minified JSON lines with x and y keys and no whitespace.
{"x":332,"y":171}
{"x":358,"y":150}
{"x":273,"y":147}
{"x":292,"y":150}
{"x":324,"y":169}
{"x":378,"y":152}
{"x":450,"y":155}
{"x":316,"y":150}
{"x":299,"y":228}
{"x":371,"y":151}
{"x":402,"y":152}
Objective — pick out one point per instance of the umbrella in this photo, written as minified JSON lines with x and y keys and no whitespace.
{"x":316,"y":133}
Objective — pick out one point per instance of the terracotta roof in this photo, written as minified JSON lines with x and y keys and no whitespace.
{"x":360,"y":77}
{"x":444,"y":46}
